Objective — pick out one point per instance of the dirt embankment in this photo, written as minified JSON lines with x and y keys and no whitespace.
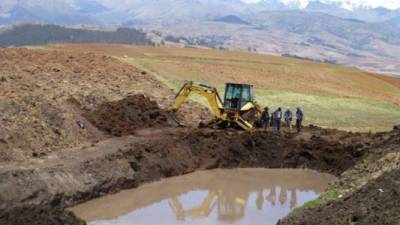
{"x":377,"y":202}
{"x":370,"y":189}
{"x":45,"y":93}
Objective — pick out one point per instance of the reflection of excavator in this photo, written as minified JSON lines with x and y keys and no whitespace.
{"x":230,"y":207}
{"x":201,"y":211}
{"x":237,"y":109}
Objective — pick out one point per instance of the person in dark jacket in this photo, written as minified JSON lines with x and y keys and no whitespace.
{"x":299,"y":119}
{"x":265,"y":118}
{"x":288,"y":118}
{"x":277,"y":119}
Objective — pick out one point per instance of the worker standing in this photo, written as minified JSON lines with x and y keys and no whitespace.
{"x":278,"y":118}
{"x":299,"y":119}
{"x":288,"y":118}
{"x":265,"y":118}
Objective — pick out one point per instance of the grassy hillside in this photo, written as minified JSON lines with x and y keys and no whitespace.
{"x":332,"y":96}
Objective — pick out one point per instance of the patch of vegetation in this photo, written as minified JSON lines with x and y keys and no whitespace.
{"x":310,"y":59}
{"x":211,"y":41}
{"x":322,"y":200}
{"x":36,"y":34}
{"x":232,"y":19}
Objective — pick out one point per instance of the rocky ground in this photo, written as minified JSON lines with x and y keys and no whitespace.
{"x":75,"y":127}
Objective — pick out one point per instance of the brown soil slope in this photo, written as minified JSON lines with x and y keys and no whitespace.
{"x":370,"y":190}
{"x":44,"y":94}
{"x":378,"y":202}
{"x":263,"y":71}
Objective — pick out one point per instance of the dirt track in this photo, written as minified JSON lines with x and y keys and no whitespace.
{"x":49,"y":162}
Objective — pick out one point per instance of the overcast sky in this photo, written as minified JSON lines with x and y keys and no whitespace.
{"x":392,"y":4}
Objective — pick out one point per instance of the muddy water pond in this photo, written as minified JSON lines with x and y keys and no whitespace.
{"x":239,"y":196}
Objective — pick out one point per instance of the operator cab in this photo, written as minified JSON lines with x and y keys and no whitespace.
{"x":237,"y":95}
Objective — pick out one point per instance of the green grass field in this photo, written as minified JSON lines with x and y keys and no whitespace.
{"x":345,"y":113}
{"x":331,"y":96}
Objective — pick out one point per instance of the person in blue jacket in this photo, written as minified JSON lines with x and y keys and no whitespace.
{"x":278,"y":118}
{"x":288,"y":118}
{"x":299,"y":119}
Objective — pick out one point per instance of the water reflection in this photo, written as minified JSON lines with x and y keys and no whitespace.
{"x":244,"y":196}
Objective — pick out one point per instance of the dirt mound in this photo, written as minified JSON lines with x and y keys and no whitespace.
{"x":378,"y":202}
{"x":43,"y":94}
{"x":127,"y":115}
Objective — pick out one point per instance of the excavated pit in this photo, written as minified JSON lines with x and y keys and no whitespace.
{"x":38,"y":192}
{"x":68,"y":178}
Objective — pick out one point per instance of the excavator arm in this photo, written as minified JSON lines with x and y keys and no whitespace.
{"x":243,"y":117}
{"x":210,"y":93}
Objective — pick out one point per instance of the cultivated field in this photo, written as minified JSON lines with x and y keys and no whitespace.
{"x":332,"y":96}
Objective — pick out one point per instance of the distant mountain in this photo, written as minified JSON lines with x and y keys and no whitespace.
{"x":359,"y":34}
{"x":65,"y":12}
{"x":232,"y":19}
{"x":33,"y":34}
{"x":91,"y":6}
{"x":395,"y":22}
{"x":379,"y":14}
{"x":273,"y":5}
{"x":169,"y":11}
{"x":18,"y":15}
{"x":352,"y":34}
{"x":317,"y":6}
{"x":117,"y":12}
{"x":303,"y":34}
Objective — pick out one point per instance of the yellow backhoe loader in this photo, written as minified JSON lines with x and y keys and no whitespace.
{"x":238,"y":109}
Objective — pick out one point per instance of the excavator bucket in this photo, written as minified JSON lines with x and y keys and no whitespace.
{"x":173,"y":121}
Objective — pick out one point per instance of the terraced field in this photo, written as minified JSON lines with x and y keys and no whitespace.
{"x":331,"y":95}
